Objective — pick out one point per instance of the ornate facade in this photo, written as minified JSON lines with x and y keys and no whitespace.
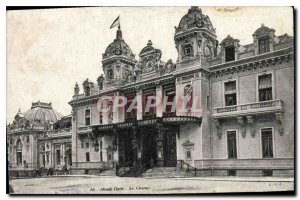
{"x":38,"y":139}
{"x":244,"y":96}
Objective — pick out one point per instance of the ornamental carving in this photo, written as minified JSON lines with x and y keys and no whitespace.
{"x":251,"y":123}
{"x":279,"y":120}
{"x":241,"y":122}
{"x":194,"y":19}
{"x":118,"y":47}
{"x":218,"y":126}
{"x":150,"y":59}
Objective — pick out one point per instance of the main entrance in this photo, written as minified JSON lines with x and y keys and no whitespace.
{"x":150,"y":147}
{"x":169,"y":147}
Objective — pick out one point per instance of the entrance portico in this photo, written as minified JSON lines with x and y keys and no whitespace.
{"x":146,"y":143}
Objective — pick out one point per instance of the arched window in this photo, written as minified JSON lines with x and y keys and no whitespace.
{"x":264,"y":44}
{"x":188,"y":94}
{"x":188,"y":51}
{"x":19,"y":152}
{"x":110,"y":74}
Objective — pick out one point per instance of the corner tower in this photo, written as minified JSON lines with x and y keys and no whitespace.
{"x":195,"y":37}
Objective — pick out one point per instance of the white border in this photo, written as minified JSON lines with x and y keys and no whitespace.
{"x":3,"y":86}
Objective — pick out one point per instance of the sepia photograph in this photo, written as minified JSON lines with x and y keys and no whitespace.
{"x":150,"y":100}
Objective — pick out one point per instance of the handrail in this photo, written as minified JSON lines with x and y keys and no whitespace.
{"x":107,"y":166}
{"x":182,"y":163}
{"x":124,"y":165}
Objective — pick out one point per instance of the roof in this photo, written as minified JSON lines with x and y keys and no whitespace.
{"x":195,"y":18}
{"x":118,"y":48}
{"x":263,"y":30}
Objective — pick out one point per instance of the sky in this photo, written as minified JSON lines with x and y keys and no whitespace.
{"x":49,"y":50}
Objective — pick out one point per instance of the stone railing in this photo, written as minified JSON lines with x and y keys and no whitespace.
{"x":22,"y":166}
{"x":264,"y":106}
{"x":84,"y":128}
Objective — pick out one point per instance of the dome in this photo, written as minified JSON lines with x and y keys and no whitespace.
{"x":263,"y":30}
{"x":194,"y":19}
{"x":40,"y":113}
{"x":118,"y":48}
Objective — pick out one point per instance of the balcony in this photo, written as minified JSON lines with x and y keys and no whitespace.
{"x":249,"y":109}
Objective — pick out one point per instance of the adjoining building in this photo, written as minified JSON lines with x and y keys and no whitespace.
{"x":39,"y":138}
{"x":244,"y":96}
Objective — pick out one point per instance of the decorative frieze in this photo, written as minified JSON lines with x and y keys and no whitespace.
{"x":256,"y":65}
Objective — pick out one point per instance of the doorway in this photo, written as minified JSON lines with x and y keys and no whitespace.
{"x":170,"y":154}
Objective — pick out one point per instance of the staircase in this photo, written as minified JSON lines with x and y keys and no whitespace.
{"x":110,"y":172}
{"x":167,"y":172}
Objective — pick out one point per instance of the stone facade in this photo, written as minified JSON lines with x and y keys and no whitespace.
{"x":38,"y":139}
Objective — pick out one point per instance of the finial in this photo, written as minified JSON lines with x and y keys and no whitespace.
{"x":262,"y":24}
{"x":149,"y":43}
{"x":119,"y":33}
{"x":19,"y":110}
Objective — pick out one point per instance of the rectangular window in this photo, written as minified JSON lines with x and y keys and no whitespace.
{"x":207,"y":103}
{"x":130,"y":114}
{"x":44,"y":159}
{"x":100,"y":118}
{"x":151,"y":112}
{"x":188,"y":154}
{"x":230,"y":93}
{"x":47,"y":158}
{"x":188,"y":50}
{"x":231,"y":144}
{"x":19,"y":158}
{"x":170,"y":95}
{"x":265,"y":87}
{"x":267,"y":142}
{"x":264,"y":44}
{"x":87,"y":156}
{"x":229,"y":53}
{"x":101,"y":156}
{"x":87,"y":145}
{"x":58,"y":157}
{"x":87,"y":117}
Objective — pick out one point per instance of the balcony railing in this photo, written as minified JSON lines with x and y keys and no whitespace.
{"x":84,"y":128}
{"x":257,"y":107}
{"x":169,"y":114}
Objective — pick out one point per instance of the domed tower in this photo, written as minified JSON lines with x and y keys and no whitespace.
{"x":196,"y":43}
{"x":195,"y":37}
{"x":116,"y":61}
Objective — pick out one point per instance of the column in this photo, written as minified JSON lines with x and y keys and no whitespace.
{"x":159,"y":95}
{"x":139,"y":97}
{"x":74,"y":139}
{"x":116,"y":145}
{"x":160,"y":144}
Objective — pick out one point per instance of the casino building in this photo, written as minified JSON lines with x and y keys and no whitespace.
{"x":244,"y":96}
